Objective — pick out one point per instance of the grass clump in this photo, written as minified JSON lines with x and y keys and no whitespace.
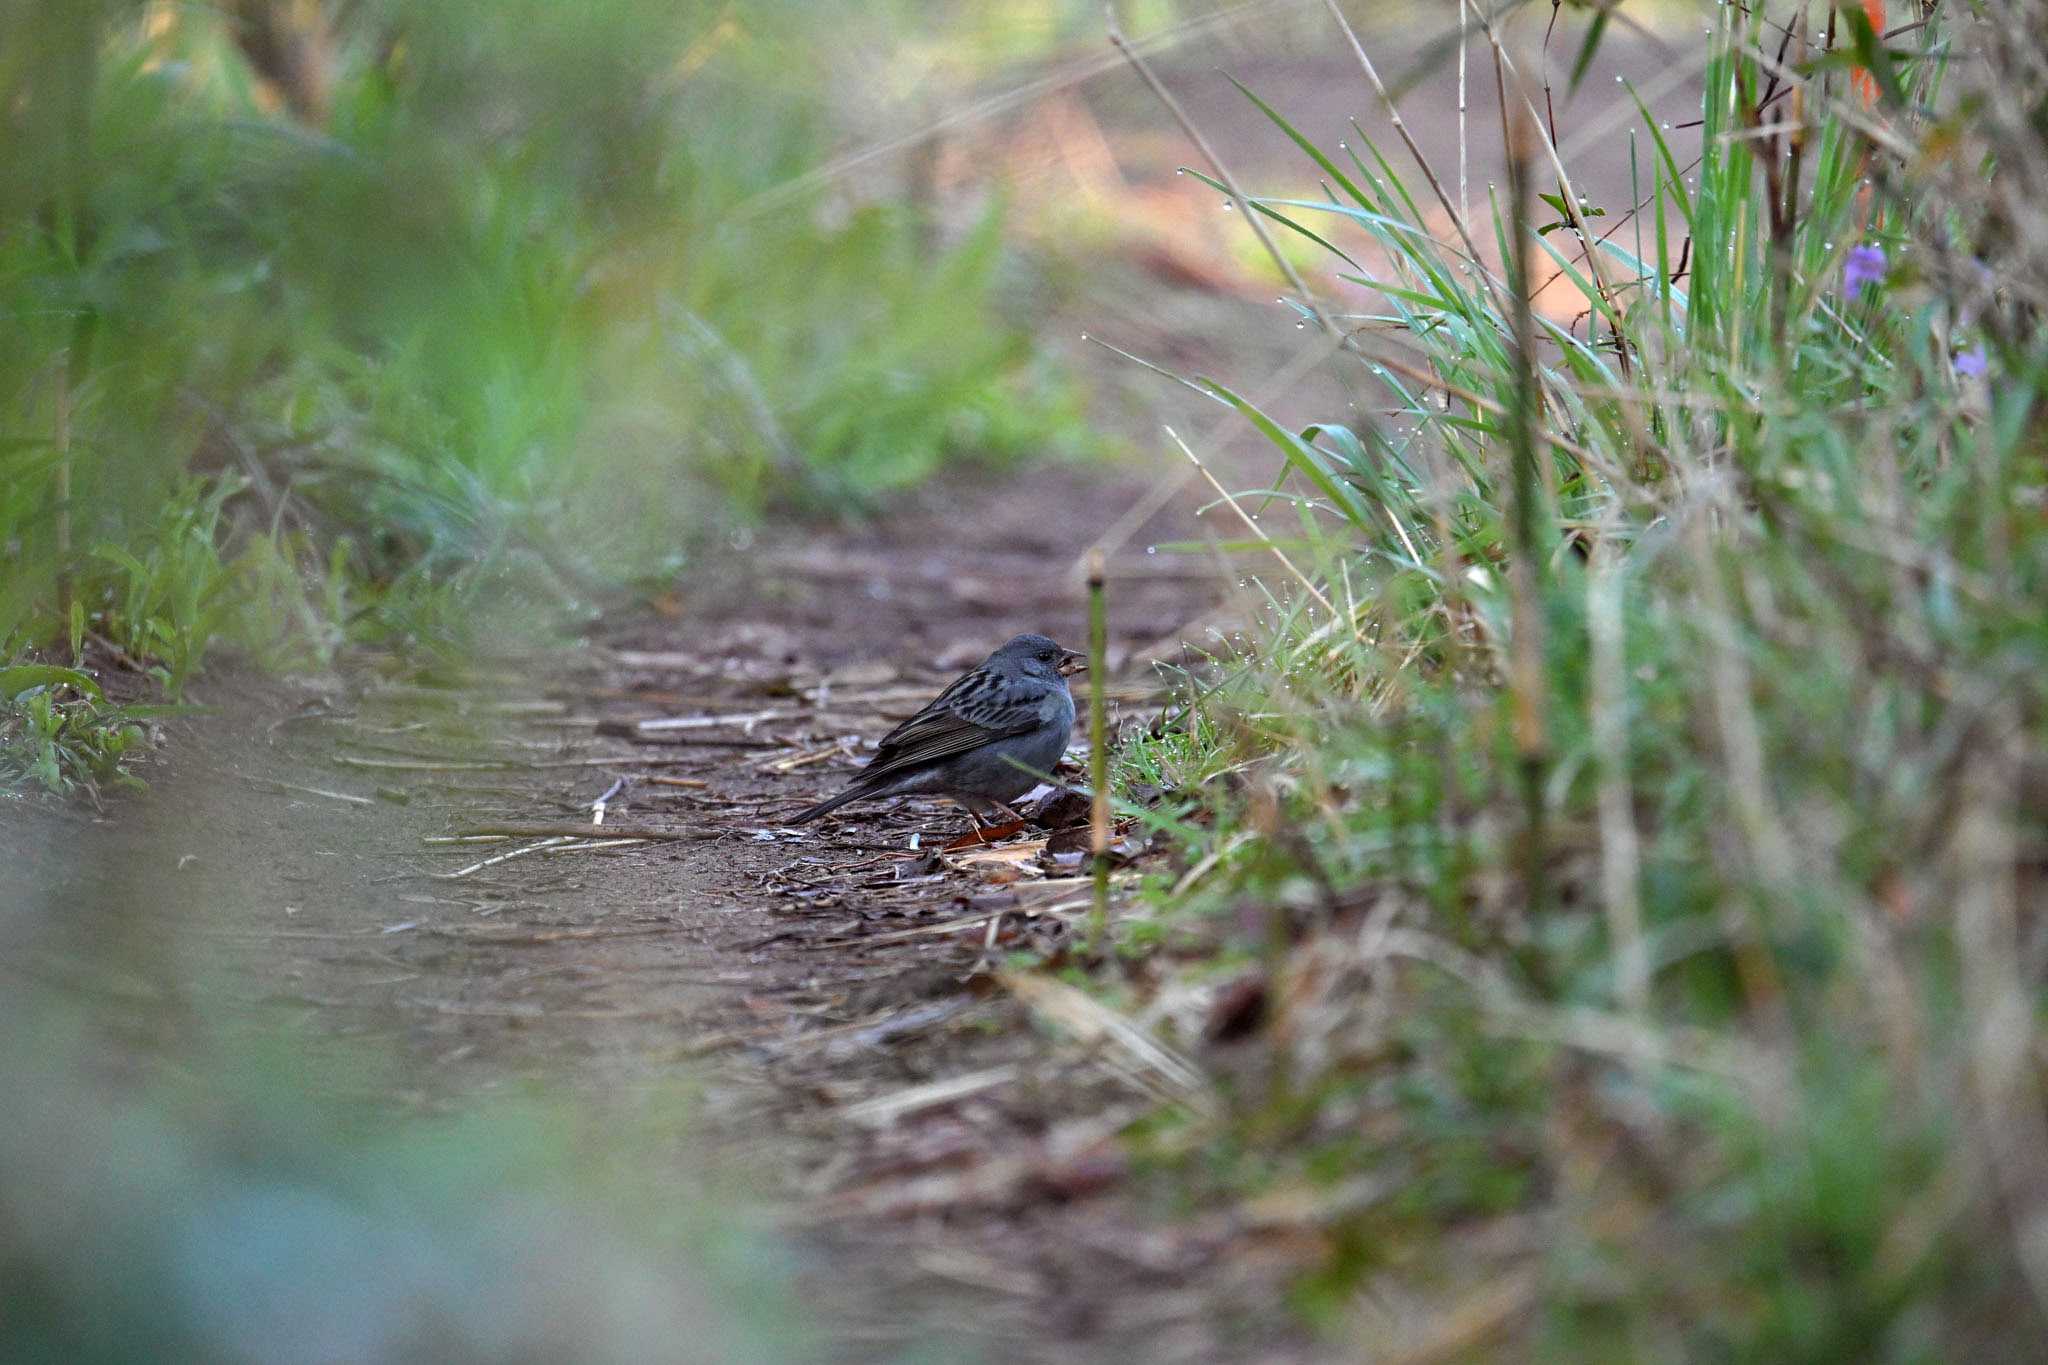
{"x":1630,"y":816}
{"x":58,"y":732}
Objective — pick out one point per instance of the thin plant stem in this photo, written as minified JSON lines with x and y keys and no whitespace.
{"x":1208,"y":151}
{"x":1372,"y":75}
{"x":1098,"y":742}
{"x":1260,"y":532}
{"x":1526,"y":567}
{"x":1620,"y":856}
{"x":62,"y":484}
{"x":1464,"y":150}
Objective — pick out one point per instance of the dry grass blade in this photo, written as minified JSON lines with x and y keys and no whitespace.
{"x":883,"y":1110}
{"x":1259,"y":533}
{"x":530,"y":830}
{"x":506,"y":857}
{"x":1630,"y":1040}
{"x":1092,"y":1022}
{"x":1281,"y":382}
{"x":1464,"y":1326}
{"x":1372,"y":75}
{"x":746,"y":720}
{"x":293,"y":787}
{"x":1620,"y":859}
{"x":585,"y":845}
{"x":1252,"y":220}
{"x":951,"y":926}
{"x":789,"y":763}
{"x":495,"y":765}
{"x":2003,"y":1076}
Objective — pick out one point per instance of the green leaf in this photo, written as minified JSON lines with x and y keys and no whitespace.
{"x":1673,"y":175}
{"x":27,"y":677}
{"x":1313,"y":152}
{"x":1280,"y":218}
{"x":1586,"y":50}
{"x":1299,"y":453}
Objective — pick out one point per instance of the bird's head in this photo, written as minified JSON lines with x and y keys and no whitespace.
{"x":1040,"y":657}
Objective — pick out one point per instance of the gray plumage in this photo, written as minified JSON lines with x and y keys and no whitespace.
{"x":983,"y":740}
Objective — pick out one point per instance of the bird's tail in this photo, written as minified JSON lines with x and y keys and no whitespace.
{"x":853,"y":793}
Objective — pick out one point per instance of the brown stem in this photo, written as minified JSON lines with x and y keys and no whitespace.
{"x":1526,"y":564}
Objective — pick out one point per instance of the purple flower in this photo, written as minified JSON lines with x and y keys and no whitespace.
{"x":1973,"y":362}
{"x":1866,"y":265}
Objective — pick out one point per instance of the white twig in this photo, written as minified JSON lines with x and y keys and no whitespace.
{"x":597,"y":807}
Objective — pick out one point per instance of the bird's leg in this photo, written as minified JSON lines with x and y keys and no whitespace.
{"x":988,"y":813}
{"x":977,"y":808}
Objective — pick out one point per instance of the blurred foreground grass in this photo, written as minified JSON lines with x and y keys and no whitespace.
{"x":1622,"y":852}
{"x":377,"y":321}
{"x":240,"y":1201}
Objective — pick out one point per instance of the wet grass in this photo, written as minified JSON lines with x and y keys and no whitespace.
{"x":1626,"y":820}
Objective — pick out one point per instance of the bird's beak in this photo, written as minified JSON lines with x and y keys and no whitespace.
{"x":1072,"y":663}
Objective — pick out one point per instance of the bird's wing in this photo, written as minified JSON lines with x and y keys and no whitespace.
{"x":970,"y":688}
{"x":976,"y":710}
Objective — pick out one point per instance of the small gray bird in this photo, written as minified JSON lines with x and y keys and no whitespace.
{"x":982,"y":741}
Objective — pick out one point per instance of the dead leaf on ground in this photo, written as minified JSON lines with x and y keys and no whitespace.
{"x":1060,"y":810}
{"x":987,"y":834}
{"x":1016,"y":855}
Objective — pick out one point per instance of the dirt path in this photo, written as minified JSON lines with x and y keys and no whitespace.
{"x":947,"y":1159}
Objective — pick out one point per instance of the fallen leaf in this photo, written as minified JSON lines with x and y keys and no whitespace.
{"x":1077,"y":840}
{"x":1017,"y":853}
{"x":1061,"y":810}
{"x":987,"y":834}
